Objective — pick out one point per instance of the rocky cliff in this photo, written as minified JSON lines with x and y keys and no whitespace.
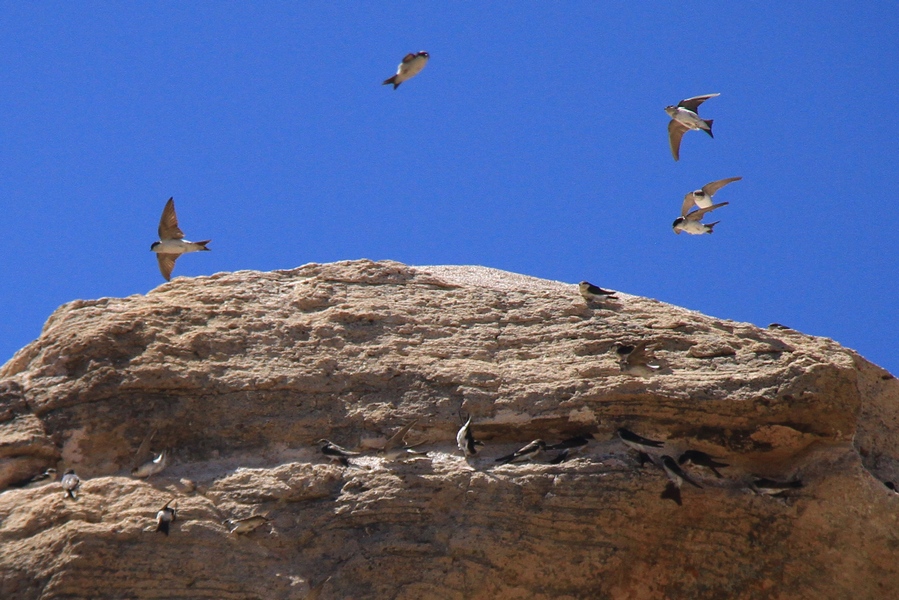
{"x":236,"y":377}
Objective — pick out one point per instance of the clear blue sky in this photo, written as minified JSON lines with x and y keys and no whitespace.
{"x":534,"y":141}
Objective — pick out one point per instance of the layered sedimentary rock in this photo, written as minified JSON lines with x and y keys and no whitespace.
{"x":238,"y":375}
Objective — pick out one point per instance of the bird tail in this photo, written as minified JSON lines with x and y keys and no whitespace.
{"x":708,"y":129}
{"x":70,"y":494}
{"x":711,"y":225}
{"x":163,"y":526}
{"x":203,"y":245}
{"x":393,"y":81}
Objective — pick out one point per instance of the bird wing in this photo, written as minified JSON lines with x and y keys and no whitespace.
{"x":639,"y":353}
{"x":689,"y":202}
{"x":144,"y":448}
{"x":697,"y":215}
{"x":408,"y":58}
{"x":711,"y":188}
{"x":168,"y":224}
{"x":676,"y":131}
{"x":694,"y":102}
{"x":166,"y":264}
{"x":397,"y":438}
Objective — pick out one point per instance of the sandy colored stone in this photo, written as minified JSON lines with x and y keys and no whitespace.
{"x":240,"y":373}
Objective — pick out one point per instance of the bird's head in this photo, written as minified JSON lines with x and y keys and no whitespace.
{"x":153,"y":245}
{"x":677,"y":226}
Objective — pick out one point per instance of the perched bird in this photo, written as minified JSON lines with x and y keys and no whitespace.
{"x":779,"y":326}
{"x":701,"y":459}
{"x":593,"y":293}
{"x":336,"y":453}
{"x":164,"y":517}
{"x":770,"y":487}
{"x":410,"y":67}
{"x":675,"y":474}
{"x":242,"y":526}
{"x":691,"y":223}
{"x":465,"y":440}
{"x":70,"y":482}
{"x":684,"y":117}
{"x":396,"y":448}
{"x":529,"y":452}
{"x":634,"y":359}
{"x":39,"y":480}
{"x":575,"y":443}
{"x":638,"y":442}
{"x":702,"y":198}
{"x":171,"y":242}
{"x":152,"y":467}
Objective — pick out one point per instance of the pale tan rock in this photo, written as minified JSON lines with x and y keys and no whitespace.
{"x":240,"y":373}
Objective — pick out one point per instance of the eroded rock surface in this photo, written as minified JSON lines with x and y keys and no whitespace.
{"x":237,"y":375}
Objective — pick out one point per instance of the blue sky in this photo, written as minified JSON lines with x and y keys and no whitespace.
{"x":534,"y":141}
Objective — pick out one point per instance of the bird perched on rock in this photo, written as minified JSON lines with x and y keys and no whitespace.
{"x":691,"y":223}
{"x":70,"y":482}
{"x":171,"y":242}
{"x":244,"y":526}
{"x":164,"y":517}
{"x":701,"y":459}
{"x":684,"y":117}
{"x":39,"y":480}
{"x":676,"y":478}
{"x":529,"y":452}
{"x":153,"y":467}
{"x":638,"y":442}
{"x":411,"y":66}
{"x":336,"y":453}
{"x":593,"y":293}
{"x":465,"y":440}
{"x":702,"y":198}
{"x":634,"y":359}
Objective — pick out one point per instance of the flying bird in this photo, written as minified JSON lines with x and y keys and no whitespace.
{"x":634,"y":359}
{"x":702,"y":198}
{"x":70,"y":482}
{"x":529,"y":452}
{"x":336,"y":453}
{"x":152,"y":467}
{"x":165,"y":517}
{"x":396,"y":447}
{"x":242,"y":526}
{"x":692,"y":224}
{"x":465,"y":440}
{"x":410,"y":67}
{"x":171,"y":242}
{"x":701,"y":459}
{"x":593,"y":293}
{"x":684,"y":117}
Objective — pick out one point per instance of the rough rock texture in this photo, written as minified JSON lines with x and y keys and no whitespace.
{"x":239,"y":374}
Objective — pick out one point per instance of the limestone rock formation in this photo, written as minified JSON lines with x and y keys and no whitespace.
{"x":238,"y":375}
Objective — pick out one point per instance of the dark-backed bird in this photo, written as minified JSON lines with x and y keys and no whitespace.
{"x":684,"y":117}
{"x":691,"y":223}
{"x":165,"y":517}
{"x":635,"y":359}
{"x":638,"y":442}
{"x":701,"y":459}
{"x":336,"y":453}
{"x":465,"y":439}
{"x":594,"y":293}
{"x":171,"y":242}
{"x":530,"y":452}
{"x":411,"y":66}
